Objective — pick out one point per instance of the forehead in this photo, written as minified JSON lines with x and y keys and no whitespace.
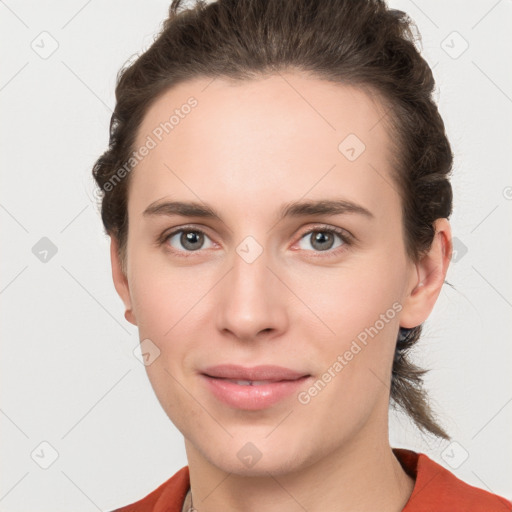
{"x":286,"y":133}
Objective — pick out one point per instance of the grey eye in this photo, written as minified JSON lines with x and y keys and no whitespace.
{"x":322,"y":240}
{"x":189,"y":239}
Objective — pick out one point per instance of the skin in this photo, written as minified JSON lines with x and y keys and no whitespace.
{"x":246,"y":149}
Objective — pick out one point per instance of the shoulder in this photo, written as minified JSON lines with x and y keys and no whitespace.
{"x":437,"y":489}
{"x":168,"y":497}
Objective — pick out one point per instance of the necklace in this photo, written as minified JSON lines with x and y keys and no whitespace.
{"x":188,"y":505}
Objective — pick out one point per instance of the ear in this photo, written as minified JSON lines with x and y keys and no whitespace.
{"x":120,"y":280}
{"x":428,"y":278}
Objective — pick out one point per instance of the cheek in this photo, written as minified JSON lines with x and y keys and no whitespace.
{"x":170,"y":388}
{"x":346,"y":299}
{"x":353,"y":366}
{"x":358,"y":308}
{"x":162,"y":296}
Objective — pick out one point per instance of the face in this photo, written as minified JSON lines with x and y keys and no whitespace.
{"x":318,"y":291}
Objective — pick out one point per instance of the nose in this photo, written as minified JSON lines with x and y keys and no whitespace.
{"x":252,"y":299}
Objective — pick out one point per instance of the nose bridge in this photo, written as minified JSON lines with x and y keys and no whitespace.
{"x":250,"y":276}
{"x":250,"y":273}
{"x":250,"y":302}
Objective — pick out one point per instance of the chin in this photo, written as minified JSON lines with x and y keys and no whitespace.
{"x":262,"y":468}
{"x":258,"y":457}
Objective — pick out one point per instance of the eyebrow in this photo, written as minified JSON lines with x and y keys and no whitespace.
{"x":294,"y":209}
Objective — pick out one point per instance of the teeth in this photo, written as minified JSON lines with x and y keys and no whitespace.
{"x":250,"y":382}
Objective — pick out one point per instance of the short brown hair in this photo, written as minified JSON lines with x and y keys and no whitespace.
{"x":361,"y":43}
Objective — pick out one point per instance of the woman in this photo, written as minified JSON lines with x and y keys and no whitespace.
{"x":277,"y":195}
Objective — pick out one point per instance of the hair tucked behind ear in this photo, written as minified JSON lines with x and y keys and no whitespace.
{"x":360,"y":43}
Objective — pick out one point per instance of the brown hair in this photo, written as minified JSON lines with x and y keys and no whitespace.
{"x":361,"y":43}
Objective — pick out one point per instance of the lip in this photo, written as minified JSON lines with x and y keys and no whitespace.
{"x":283,"y":382}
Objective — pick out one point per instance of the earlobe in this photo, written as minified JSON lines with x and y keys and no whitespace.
{"x":120,"y":280}
{"x":128,"y":314}
{"x":430,"y":273}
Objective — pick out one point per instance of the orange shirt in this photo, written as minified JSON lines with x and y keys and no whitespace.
{"x":435,"y":490}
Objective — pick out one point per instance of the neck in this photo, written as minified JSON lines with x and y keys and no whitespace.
{"x":360,"y":479}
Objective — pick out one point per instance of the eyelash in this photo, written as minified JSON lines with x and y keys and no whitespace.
{"x":345,"y":237}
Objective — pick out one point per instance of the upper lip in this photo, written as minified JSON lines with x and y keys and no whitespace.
{"x":261,"y":372}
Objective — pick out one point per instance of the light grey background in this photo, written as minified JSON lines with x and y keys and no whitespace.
{"x":70,"y":378}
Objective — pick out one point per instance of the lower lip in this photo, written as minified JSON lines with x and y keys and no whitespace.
{"x":252,"y":398}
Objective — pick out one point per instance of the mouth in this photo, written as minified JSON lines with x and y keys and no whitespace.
{"x":253,"y":388}
{"x":249,"y":382}
{"x":261,"y":373}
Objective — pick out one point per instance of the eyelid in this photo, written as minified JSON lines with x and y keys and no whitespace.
{"x":343,"y":233}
